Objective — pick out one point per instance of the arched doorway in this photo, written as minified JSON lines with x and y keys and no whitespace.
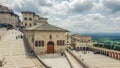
{"x":50,"y":47}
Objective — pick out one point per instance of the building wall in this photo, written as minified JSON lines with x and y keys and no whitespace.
{"x":35,"y":19}
{"x":45,"y":36}
{"x":7,"y":16}
{"x":82,"y":41}
{"x":26,"y":19}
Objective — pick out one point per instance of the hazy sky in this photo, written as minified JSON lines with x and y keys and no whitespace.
{"x":75,"y":15}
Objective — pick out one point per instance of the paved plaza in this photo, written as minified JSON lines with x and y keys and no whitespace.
{"x":73,"y":61}
{"x":55,"y":60}
{"x":12,"y":48}
{"x":97,"y":60}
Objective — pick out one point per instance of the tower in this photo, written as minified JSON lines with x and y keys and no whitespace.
{"x":28,"y":18}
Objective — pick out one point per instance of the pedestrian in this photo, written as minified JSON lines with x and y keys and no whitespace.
{"x":32,"y":52}
{"x":62,"y":53}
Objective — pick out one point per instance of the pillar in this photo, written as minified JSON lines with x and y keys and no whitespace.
{"x":113,"y":54}
{"x":110,"y":54}
{"x":119,"y":56}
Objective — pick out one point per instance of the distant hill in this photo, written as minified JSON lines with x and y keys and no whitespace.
{"x":104,"y":36}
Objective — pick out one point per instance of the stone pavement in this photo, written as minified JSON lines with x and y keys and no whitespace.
{"x":99,"y":61}
{"x":2,"y":31}
{"x":14,"y":52}
{"x":55,"y":60}
{"x":73,"y":61}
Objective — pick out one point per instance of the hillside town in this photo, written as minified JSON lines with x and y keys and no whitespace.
{"x":35,"y":43}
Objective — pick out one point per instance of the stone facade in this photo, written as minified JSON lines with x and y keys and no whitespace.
{"x":81,"y":41}
{"x":44,"y":37}
{"x":7,"y":16}
{"x":30,"y":19}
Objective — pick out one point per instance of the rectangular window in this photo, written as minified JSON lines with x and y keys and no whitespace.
{"x":41,"y":43}
{"x":60,"y":42}
{"x":36,"y":43}
{"x":25,"y":18}
{"x":50,"y":36}
{"x":25,"y":24}
{"x":30,"y":19}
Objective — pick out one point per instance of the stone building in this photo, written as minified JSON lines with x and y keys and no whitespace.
{"x":7,"y":16}
{"x":44,"y":37}
{"x":80,"y":42}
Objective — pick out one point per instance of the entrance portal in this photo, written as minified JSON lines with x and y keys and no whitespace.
{"x":50,"y":47}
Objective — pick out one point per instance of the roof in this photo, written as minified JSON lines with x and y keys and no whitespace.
{"x":28,"y":12}
{"x":46,"y":27}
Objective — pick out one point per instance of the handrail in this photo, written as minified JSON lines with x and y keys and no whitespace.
{"x":84,"y":65}
{"x":68,"y":59}
{"x":42,"y":61}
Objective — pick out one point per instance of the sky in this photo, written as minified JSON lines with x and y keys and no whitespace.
{"x":77,"y":16}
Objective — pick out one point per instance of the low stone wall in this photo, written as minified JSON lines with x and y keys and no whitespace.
{"x":84,"y":65}
{"x":106,"y":52}
{"x":68,"y":60}
{"x":43,"y":63}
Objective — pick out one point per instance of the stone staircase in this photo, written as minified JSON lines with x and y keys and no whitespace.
{"x":15,"y":53}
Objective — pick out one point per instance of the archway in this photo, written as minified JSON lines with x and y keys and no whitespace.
{"x":50,"y":47}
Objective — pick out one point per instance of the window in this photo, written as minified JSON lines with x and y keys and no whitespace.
{"x":25,"y":24}
{"x":60,"y":42}
{"x":67,"y":41}
{"x":39,"y":43}
{"x":30,"y":19}
{"x":30,"y":24}
{"x":36,"y":43}
{"x":25,"y":18}
{"x":50,"y":36}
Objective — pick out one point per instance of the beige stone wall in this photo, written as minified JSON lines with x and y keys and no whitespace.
{"x":45,"y":36}
{"x":55,"y":36}
{"x":9,"y":18}
{"x":35,"y":19}
{"x":82,"y":41}
{"x":28,"y":22}
{"x":83,"y":44}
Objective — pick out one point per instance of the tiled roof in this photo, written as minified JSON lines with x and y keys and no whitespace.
{"x":46,"y":27}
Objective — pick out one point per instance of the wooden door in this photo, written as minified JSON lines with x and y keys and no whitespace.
{"x":50,"y":47}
